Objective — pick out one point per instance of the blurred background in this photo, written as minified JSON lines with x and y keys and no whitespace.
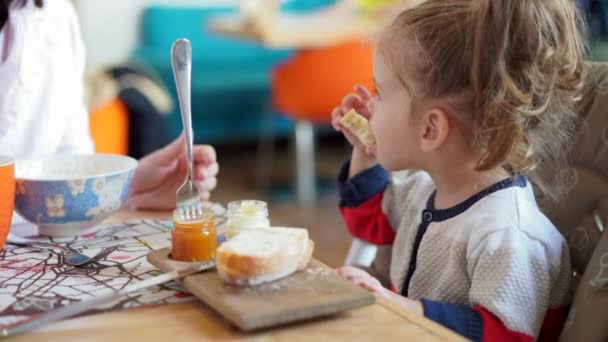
{"x":265,"y":77}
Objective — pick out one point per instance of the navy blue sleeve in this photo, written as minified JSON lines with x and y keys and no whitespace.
{"x":459,"y":318}
{"x":361,"y":187}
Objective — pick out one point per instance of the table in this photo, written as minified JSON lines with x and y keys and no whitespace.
{"x":195,"y":321}
{"x":331,"y":26}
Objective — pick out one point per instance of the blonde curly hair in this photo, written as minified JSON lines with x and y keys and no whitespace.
{"x":514,"y":68}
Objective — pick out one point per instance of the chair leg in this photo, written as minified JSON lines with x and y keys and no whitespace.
{"x":360,"y":253}
{"x":305,"y":163}
{"x":265,"y":151}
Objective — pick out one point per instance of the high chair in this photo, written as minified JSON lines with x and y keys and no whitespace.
{"x":582,"y":214}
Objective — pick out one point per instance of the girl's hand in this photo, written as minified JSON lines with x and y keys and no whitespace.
{"x":359,"y":101}
{"x":361,"y":278}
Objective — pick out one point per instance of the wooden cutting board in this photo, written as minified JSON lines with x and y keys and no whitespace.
{"x":313,"y":292}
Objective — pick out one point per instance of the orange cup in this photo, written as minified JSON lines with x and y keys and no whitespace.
{"x":7,"y":196}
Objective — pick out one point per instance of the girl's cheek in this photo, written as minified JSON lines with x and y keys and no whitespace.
{"x":371,"y":105}
{"x":373,"y":122}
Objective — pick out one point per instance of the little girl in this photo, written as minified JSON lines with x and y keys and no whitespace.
{"x":473,"y":96}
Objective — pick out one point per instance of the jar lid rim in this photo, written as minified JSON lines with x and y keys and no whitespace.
{"x":243,"y":205}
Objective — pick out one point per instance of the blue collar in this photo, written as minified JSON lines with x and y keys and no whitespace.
{"x":444,"y":214}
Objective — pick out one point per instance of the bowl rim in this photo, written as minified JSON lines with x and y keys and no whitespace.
{"x":132,"y":165}
{"x":6,"y":160}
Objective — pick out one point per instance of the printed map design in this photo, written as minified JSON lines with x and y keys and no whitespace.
{"x":33,"y":281}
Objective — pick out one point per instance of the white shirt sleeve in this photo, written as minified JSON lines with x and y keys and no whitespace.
{"x":77,"y":138}
{"x":1,"y":45}
{"x":8,"y":108}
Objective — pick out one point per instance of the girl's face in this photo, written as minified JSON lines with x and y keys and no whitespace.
{"x":393,"y":122}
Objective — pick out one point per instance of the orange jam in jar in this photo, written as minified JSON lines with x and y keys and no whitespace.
{"x":193,"y":238}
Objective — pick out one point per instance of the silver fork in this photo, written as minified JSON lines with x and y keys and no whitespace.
{"x":70,"y":256}
{"x":188,"y":195}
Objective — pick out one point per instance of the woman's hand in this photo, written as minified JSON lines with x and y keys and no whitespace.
{"x":159,"y":175}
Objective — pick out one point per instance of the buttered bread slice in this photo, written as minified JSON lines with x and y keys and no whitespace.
{"x":260,"y":255}
{"x":359,"y":126}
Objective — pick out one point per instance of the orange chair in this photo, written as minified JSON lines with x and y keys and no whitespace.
{"x":307,"y":87}
{"x":109,"y":126}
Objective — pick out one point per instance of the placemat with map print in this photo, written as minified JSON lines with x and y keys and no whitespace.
{"x":33,"y":281}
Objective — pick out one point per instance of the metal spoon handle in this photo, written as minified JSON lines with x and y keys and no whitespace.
{"x":181,"y":60}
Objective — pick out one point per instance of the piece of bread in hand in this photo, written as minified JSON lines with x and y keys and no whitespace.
{"x":260,"y":255}
{"x":359,"y":126}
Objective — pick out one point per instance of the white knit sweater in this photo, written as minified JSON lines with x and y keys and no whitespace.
{"x":495,"y":250}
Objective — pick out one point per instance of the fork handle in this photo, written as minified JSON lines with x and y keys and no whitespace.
{"x":38,"y":245}
{"x":181,"y":60}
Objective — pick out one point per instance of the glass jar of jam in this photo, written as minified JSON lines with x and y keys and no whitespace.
{"x":246,"y":214}
{"x":193,"y":238}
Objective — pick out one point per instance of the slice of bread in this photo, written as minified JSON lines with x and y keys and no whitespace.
{"x":260,"y":255}
{"x":359,"y":126}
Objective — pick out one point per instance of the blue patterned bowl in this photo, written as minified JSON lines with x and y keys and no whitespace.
{"x":70,"y":194}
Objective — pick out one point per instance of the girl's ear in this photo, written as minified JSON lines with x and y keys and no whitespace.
{"x":435,"y":127}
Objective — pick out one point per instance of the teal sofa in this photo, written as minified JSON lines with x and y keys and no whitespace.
{"x":230,"y":77}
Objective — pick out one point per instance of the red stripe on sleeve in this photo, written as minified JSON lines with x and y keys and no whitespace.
{"x":368,"y":223}
{"x":495,"y":330}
